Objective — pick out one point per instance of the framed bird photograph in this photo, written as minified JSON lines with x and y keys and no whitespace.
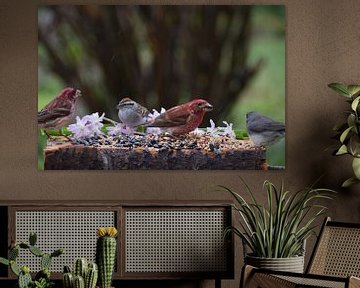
{"x":161,"y":87}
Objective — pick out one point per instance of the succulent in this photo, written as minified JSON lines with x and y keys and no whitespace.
{"x":106,"y":254}
{"x":85,"y":275}
{"x":42,"y":278}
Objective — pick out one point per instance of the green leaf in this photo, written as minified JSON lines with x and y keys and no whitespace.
{"x":354,"y":145}
{"x":4,"y":261}
{"x":340,"y":88}
{"x":351,"y":120}
{"x":345,"y":134}
{"x":353,"y":89}
{"x":342,"y":150}
{"x":356,"y":167}
{"x":349,"y":182}
{"x":355,"y":103}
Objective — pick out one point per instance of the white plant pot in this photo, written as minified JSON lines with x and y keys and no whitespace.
{"x":291,"y":264}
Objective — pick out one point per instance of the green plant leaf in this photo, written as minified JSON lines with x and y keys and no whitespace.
{"x":351,"y":120}
{"x":356,"y":167}
{"x":340,"y":88}
{"x":355,"y":103}
{"x":353,"y":89}
{"x":345,"y":134}
{"x":349,"y":182}
{"x":354,"y":145}
{"x":342,"y":150}
{"x":4,"y":261}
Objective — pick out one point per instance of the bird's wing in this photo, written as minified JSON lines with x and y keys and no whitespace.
{"x":267,"y":123}
{"x":46,"y":115}
{"x":175,"y":116}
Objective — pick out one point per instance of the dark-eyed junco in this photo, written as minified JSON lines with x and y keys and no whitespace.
{"x":262,"y":130}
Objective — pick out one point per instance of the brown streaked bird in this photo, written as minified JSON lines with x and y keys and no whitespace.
{"x":131,"y":113}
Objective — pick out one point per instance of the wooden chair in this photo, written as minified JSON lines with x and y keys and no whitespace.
{"x":335,"y":262}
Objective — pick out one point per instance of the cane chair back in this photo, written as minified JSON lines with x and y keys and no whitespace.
{"x":337,"y":252}
{"x":335,"y":262}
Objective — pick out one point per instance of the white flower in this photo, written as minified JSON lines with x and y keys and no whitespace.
{"x":198,"y":132}
{"x":155,"y":113}
{"x":212,"y":130}
{"x":152,"y":116}
{"x":217,"y":131}
{"x":228,"y":130}
{"x":119,"y":129}
{"x":87,"y":126}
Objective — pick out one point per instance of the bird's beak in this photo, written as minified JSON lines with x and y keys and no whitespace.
{"x":207,"y":107}
{"x":118,"y":106}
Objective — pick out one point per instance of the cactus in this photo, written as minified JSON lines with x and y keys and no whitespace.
{"x":45,"y":261}
{"x":106,"y":254}
{"x":24,"y":278}
{"x":32,"y":239}
{"x":80,"y":267}
{"x":68,"y":280}
{"x":4,"y":261}
{"x":36,"y":251}
{"x":79,"y":282}
{"x":13,"y":253}
{"x":87,"y":272}
{"x":91,"y":276}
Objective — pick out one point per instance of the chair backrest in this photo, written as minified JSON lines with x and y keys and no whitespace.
{"x":337,"y":251}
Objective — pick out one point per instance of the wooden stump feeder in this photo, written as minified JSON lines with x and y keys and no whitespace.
{"x":164,"y":153}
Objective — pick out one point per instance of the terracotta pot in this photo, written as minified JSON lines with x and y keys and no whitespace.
{"x":291,"y":264}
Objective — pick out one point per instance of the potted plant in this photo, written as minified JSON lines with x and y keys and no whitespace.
{"x":348,"y":132}
{"x":276,"y":233}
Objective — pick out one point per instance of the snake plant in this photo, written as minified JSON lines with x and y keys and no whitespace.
{"x":279,"y":228}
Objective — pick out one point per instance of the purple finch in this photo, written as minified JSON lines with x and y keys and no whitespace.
{"x":59,"y":111}
{"x":131,"y":113}
{"x":183,"y":118}
{"x":262,"y":130}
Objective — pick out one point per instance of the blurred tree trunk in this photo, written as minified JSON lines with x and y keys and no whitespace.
{"x":158,"y":55}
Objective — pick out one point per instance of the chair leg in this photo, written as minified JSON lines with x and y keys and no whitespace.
{"x":246,"y":273}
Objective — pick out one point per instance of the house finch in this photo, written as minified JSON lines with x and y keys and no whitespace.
{"x":59,"y":111}
{"x":262,"y":130}
{"x":131,"y":113}
{"x":183,"y":118}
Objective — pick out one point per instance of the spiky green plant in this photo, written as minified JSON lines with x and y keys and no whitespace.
{"x":42,"y":278}
{"x":106,"y":254}
{"x":84,"y":273}
{"x":279,"y":229}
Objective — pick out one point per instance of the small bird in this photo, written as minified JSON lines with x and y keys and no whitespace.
{"x":183,"y":118}
{"x":59,"y":111}
{"x":262,"y":130}
{"x":131,"y":113}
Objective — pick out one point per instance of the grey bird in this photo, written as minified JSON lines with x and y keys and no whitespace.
{"x":262,"y":130}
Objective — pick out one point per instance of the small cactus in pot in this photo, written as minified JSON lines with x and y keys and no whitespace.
{"x":106,"y":254}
